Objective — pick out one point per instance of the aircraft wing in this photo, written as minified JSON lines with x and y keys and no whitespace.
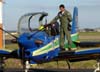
{"x":88,"y":44}
{"x":8,"y":53}
{"x":79,"y":55}
{"x":4,"y":53}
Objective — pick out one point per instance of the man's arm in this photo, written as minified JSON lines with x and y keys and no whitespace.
{"x":54,"y":20}
{"x":69,"y":16}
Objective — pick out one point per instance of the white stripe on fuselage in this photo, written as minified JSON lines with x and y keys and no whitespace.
{"x":46,"y":48}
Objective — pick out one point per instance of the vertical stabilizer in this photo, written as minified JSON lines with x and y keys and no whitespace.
{"x":74,"y":28}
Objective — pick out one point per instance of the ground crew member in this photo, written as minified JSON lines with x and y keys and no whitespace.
{"x":65,"y":18}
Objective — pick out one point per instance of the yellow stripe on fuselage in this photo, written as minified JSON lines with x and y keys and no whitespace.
{"x":46,"y":48}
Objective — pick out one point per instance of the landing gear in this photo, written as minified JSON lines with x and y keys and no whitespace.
{"x":97,"y":66}
{"x":26,"y":66}
{"x":57,"y":63}
{"x":69,"y":67}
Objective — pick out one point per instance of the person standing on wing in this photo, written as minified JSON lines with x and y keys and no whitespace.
{"x":65,"y":18}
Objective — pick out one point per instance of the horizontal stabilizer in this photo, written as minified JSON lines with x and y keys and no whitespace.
{"x":80,"y":55}
{"x":4,"y":53}
{"x":89,"y":44}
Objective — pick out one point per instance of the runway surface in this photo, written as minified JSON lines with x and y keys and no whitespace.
{"x":49,"y":70}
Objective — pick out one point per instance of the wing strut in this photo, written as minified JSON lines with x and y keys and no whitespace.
{"x":68,"y":63}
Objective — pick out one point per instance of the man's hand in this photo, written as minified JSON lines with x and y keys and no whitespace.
{"x":47,"y":25}
{"x":69,"y":27}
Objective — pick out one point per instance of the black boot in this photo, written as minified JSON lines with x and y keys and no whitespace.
{"x":62,"y":48}
{"x":69,"y":49}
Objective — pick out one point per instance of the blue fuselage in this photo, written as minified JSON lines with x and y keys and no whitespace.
{"x":28,"y":42}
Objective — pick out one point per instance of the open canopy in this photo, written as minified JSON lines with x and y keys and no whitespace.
{"x":31,"y":22}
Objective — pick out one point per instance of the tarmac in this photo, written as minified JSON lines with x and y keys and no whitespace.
{"x":49,"y":70}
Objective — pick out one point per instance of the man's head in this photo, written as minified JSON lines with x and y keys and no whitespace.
{"x":62,"y":7}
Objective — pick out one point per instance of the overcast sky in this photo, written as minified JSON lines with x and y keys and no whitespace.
{"x":89,"y":11}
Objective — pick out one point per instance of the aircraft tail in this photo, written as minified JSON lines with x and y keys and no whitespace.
{"x":74,"y":29}
{"x":75,"y":21}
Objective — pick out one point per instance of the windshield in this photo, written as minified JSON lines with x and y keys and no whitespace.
{"x":31,"y":22}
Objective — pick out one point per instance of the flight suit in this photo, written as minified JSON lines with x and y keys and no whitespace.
{"x":64,"y":18}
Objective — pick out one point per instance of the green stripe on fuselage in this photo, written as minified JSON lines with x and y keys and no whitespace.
{"x":74,"y":38}
{"x":55,"y":44}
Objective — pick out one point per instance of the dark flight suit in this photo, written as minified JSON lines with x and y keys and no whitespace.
{"x":64,"y":18}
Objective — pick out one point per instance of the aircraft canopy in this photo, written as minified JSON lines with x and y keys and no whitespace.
{"x":31,"y":22}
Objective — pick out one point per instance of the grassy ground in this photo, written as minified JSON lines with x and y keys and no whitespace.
{"x":89,"y":33}
{"x":11,"y":46}
{"x":15,"y":63}
{"x":89,"y":36}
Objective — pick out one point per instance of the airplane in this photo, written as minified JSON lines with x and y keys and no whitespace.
{"x":37,"y":46}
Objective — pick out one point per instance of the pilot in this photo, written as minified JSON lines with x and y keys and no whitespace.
{"x":65,"y":18}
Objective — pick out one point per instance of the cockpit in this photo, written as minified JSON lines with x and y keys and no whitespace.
{"x":32,"y":21}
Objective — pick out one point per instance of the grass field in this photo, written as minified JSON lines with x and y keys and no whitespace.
{"x":90,"y":33}
{"x":94,"y":36}
{"x":89,"y":36}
